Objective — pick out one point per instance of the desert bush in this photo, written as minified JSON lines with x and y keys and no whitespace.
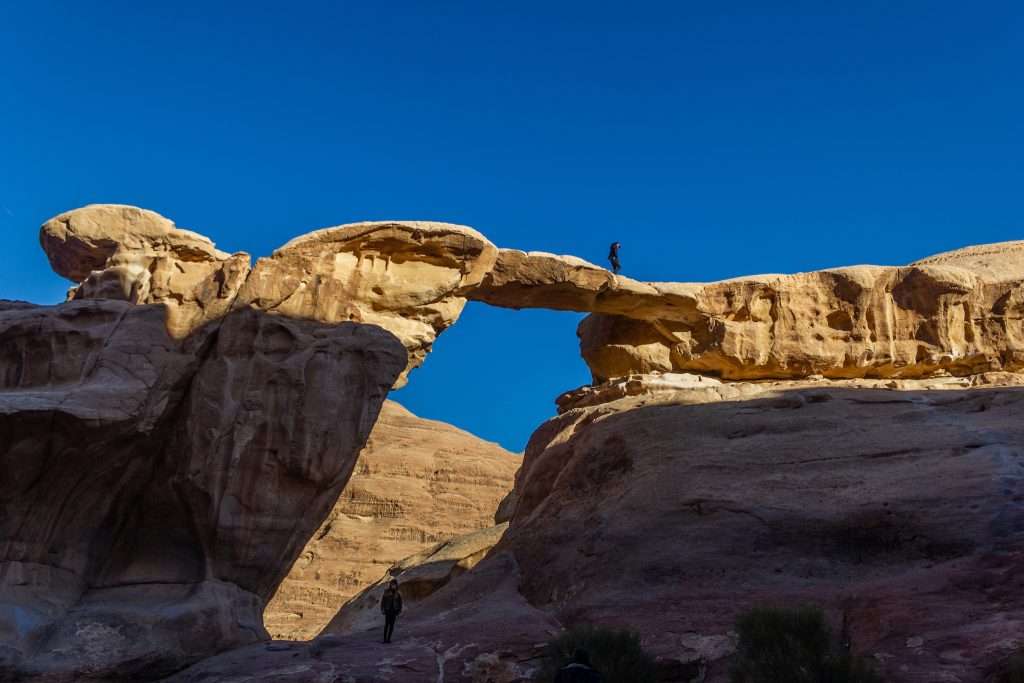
{"x":792,"y":646}
{"x":617,"y":654}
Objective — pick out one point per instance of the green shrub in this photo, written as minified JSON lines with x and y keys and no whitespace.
{"x":616,"y":654}
{"x":1012,"y":670}
{"x":792,"y":646}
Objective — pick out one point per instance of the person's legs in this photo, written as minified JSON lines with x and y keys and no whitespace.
{"x":389,"y":627}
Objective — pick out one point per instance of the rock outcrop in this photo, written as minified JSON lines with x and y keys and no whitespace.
{"x":419,"y":576}
{"x":173,"y":436}
{"x":417,"y":483}
{"x":125,"y":253}
{"x":166,"y":451}
{"x":960,"y":313}
{"x":405,"y":277}
{"x":157,"y":490}
{"x":898,"y":510}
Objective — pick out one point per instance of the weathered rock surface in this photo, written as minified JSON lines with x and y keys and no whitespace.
{"x":405,"y":277}
{"x":164,"y":465}
{"x":122,"y":252}
{"x":960,"y":313}
{"x":160,"y":477}
{"x":671,"y":512}
{"x":417,"y":483}
{"x":566,"y":283}
{"x":419,"y":576}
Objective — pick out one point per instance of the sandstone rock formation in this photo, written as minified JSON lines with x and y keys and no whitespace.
{"x":122,"y":252}
{"x":673,"y":511}
{"x":958,"y":313}
{"x":402,"y":276}
{"x":419,"y":576}
{"x":417,"y":483}
{"x":157,"y":490}
{"x":166,"y":451}
{"x":165,"y":464}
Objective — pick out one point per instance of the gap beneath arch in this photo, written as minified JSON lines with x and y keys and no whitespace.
{"x":497,"y":371}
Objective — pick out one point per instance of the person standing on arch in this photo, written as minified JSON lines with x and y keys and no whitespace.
{"x":613,"y":257}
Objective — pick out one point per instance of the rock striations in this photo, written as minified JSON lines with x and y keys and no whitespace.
{"x":417,"y":483}
{"x":958,"y":313}
{"x":175,"y":434}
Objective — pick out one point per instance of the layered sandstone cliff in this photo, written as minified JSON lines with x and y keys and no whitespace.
{"x":417,"y":483}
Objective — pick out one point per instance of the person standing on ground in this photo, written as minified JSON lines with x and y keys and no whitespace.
{"x":578,"y":670}
{"x":613,"y":257}
{"x":391,"y":607}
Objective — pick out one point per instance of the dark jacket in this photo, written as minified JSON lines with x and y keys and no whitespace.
{"x":577,"y":673}
{"x":391,"y":603}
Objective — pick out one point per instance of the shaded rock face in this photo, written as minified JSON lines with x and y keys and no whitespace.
{"x":160,"y":479}
{"x":156,"y":491}
{"x":419,"y":576}
{"x":900,"y":511}
{"x":417,"y":483}
{"x":479,"y":629}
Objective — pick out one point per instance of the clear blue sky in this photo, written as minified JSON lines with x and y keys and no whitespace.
{"x":712,"y":139}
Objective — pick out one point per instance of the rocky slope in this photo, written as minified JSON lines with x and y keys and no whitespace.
{"x":417,"y":483}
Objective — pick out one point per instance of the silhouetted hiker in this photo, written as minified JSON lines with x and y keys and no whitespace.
{"x":579,"y":670}
{"x":391,"y":606}
{"x":613,"y":257}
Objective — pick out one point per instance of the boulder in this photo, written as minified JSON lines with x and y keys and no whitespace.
{"x":417,"y":483}
{"x":111,"y":251}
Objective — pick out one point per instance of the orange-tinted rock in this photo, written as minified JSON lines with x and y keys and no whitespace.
{"x":417,"y":483}
{"x":405,"y":276}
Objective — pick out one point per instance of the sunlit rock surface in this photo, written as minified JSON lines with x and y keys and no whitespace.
{"x":403,"y":276}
